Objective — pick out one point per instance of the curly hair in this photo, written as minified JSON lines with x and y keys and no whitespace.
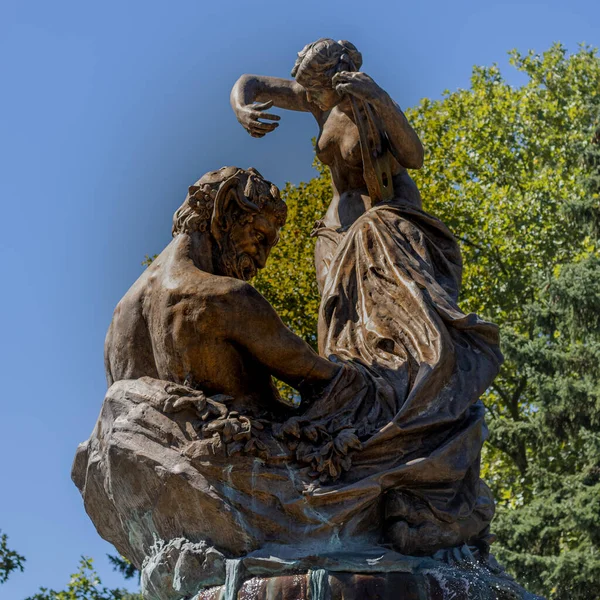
{"x":197,"y":209}
{"x":323,"y":59}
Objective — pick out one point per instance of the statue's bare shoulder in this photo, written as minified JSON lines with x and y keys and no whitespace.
{"x":178,"y":289}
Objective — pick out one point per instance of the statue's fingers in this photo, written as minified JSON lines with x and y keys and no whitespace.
{"x":262,"y":105}
{"x":343,"y":76}
{"x":175,"y":388}
{"x":180,"y":403}
{"x":260,"y":115}
{"x":352,"y":89}
{"x":262,"y":125}
{"x":260,"y":133}
{"x":344,"y":88}
{"x":184,"y":402}
{"x":255,"y":131}
{"x":168,"y":405}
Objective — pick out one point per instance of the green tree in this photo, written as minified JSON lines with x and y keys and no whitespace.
{"x":10,"y":560}
{"x":505,"y":171}
{"x":513,"y":173}
{"x":85,"y":585}
{"x":289,"y":281}
{"x":554,"y":534}
{"x":123,"y":566}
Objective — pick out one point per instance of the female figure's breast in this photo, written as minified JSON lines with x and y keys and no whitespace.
{"x":338,"y":144}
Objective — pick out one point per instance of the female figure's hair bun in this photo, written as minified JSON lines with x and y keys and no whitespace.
{"x":326,"y":57}
{"x":352,"y":52}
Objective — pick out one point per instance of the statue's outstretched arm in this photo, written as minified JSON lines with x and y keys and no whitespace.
{"x":252,"y":95}
{"x":254,"y":325}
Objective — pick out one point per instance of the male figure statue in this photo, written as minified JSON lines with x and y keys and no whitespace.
{"x":192,"y":319}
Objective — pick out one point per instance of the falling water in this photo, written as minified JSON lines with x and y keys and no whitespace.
{"x":334,"y":541}
{"x":319,"y":584}
{"x":233,"y":578}
{"x":229,"y":492}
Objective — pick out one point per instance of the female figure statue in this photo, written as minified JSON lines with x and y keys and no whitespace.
{"x":389,"y":274}
{"x":327,"y":78}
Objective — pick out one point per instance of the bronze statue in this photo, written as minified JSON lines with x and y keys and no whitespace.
{"x":199,"y":473}
{"x":190,"y":317}
{"x":390,"y":276}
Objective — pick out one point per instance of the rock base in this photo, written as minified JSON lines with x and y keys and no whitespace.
{"x":181,"y":570}
{"x":323,"y":585}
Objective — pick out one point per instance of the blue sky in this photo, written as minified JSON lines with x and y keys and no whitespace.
{"x":108,"y":112}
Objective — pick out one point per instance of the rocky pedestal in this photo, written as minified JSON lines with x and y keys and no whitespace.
{"x":178,"y":570}
{"x":202,"y":525}
{"x":322,"y":585}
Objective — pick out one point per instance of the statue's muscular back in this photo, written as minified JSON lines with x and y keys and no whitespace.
{"x":173,"y":325}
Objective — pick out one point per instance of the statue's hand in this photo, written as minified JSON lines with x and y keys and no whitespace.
{"x":216,"y":407}
{"x":182,"y":398}
{"x":357,"y":84}
{"x":249,"y":114}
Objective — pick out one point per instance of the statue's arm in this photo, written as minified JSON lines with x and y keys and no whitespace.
{"x":252,"y":95}
{"x":402,"y":136}
{"x":254,"y":325}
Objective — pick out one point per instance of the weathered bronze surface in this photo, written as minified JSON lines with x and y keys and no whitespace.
{"x":192,"y":319}
{"x":202,"y":476}
{"x":390,"y":276}
{"x":431,"y":585}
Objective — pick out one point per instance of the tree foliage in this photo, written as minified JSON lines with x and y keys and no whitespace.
{"x":10,"y":560}
{"x":514,"y":173}
{"x":85,"y":585}
{"x":289,"y":281}
{"x":123,"y":566}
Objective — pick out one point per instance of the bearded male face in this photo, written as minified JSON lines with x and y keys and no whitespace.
{"x":240,"y":212}
{"x":246,"y":246}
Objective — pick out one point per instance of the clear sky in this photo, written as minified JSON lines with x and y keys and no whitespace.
{"x":108,"y":112}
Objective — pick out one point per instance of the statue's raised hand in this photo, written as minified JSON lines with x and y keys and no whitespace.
{"x":249,"y":116}
{"x":357,"y":84}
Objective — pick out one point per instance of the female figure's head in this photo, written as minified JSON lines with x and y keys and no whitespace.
{"x":316,"y":65}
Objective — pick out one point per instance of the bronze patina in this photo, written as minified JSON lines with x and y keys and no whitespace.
{"x":214,"y":487}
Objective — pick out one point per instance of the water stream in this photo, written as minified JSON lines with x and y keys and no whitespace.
{"x":233,"y":578}
{"x":318,"y":583}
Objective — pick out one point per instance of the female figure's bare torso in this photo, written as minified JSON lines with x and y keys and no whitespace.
{"x":338,"y":147}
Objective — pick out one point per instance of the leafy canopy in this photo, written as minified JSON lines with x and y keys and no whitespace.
{"x":85,"y":585}
{"x":10,"y":560}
